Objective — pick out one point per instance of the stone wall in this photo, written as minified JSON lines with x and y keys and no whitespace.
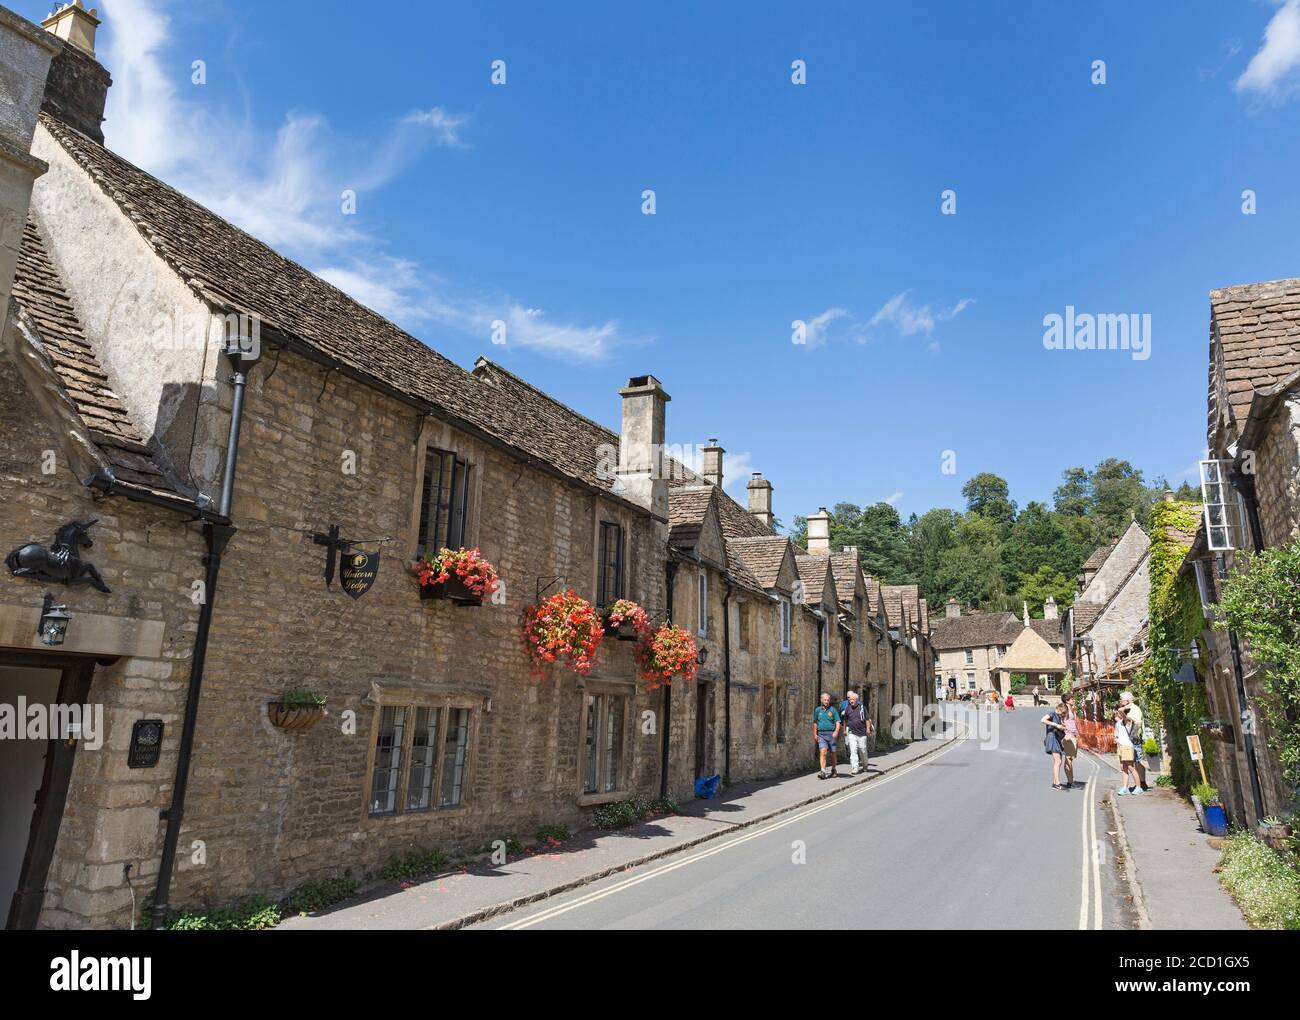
{"x":148,"y":557}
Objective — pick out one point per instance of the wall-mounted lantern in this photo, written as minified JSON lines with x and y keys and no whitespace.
{"x":53,"y":627}
{"x":702,"y":656}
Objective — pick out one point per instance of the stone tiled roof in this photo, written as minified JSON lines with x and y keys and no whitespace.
{"x":687,"y":508}
{"x":873,"y":596}
{"x":763,"y":556}
{"x":1258,"y":325}
{"x":1098,"y":558}
{"x":980,"y":630}
{"x":738,"y":569}
{"x":844,"y":566}
{"x":813,"y":571}
{"x":231,"y":269}
{"x":40,"y":295}
{"x":1085,"y":615}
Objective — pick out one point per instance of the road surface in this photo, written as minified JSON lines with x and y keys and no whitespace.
{"x":971,"y":837}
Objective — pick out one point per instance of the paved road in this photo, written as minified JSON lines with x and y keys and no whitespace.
{"x":971,"y":837}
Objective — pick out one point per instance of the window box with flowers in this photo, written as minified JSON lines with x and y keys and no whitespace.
{"x":462,"y":576}
{"x":666,"y":653}
{"x":563,"y":628}
{"x":626,"y":620}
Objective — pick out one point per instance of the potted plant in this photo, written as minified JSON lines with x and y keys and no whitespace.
{"x":296,"y":710}
{"x":666,"y":653}
{"x":1275,"y":832}
{"x":1209,"y":810}
{"x":562,"y":628}
{"x":462,"y":576}
{"x":1151,"y":748}
{"x":625,"y":620}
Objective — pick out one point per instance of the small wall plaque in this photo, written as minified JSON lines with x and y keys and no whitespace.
{"x":146,"y":744}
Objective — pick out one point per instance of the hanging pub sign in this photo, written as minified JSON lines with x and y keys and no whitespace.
{"x":357,"y":571}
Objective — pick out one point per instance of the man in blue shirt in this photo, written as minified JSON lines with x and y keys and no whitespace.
{"x":826,"y":731}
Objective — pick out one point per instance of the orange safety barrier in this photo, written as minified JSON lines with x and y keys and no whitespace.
{"x":1096,"y":736}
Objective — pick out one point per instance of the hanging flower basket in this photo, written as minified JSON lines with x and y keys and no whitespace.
{"x":563,"y":628}
{"x":297,"y":710}
{"x":626,"y":620}
{"x":462,"y":576}
{"x":666,"y":653}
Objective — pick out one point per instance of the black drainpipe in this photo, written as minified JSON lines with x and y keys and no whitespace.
{"x":726,"y":680}
{"x":670,"y":571}
{"x":218,"y":535}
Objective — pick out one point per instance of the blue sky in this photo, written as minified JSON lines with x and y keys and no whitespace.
{"x":775,"y":202}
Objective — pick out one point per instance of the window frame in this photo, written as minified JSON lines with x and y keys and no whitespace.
{"x":826,"y":636}
{"x":598,"y":690}
{"x":786,"y":625}
{"x":702,"y":604}
{"x":410,"y":702}
{"x":970,"y":656}
{"x":604,"y":597}
{"x":429,"y":514}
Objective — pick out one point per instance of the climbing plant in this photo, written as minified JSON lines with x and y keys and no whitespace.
{"x":1177,"y":621}
{"x":1261,"y":602}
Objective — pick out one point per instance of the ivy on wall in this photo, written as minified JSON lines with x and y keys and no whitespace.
{"x":1261,"y":602}
{"x":1176,"y":623}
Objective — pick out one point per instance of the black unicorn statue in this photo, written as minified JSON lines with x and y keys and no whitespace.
{"x":61,"y":561}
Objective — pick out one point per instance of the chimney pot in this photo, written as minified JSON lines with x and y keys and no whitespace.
{"x":952,"y":609}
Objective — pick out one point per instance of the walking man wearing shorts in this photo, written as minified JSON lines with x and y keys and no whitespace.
{"x":826,"y":731}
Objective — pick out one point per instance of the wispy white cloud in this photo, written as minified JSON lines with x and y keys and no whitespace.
{"x":289,"y":190}
{"x":892,"y":499}
{"x":899,"y":315}
{"x":1271,"y":72}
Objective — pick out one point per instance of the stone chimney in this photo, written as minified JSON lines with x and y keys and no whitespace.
{"x":819,"y":533}
{"x":641,"y":444}
{"x":713,"y":463}
{"x":1026,"y":617}
{"x":760,"y":499}
{"x":1049,"y":609}
{"x":952,"y":609}
{"x":76,"y":88}
{"x":74,"y":24}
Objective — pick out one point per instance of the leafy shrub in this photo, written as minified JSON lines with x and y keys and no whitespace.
{"x":556,"y":832}
{"x":1164,"y":780}
{"x":416,"y":864}
{"x":1264,"y":883}
{"x":318,"y":895}
{"x":301,"y":698}
{"x":1206,"y":793}
{"x":623,"y":813}
{"x":252,"y":914}
{"x":1151,"y":746}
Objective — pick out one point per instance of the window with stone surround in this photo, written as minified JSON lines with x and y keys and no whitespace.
{"x":609,"y":578}
{"x":420,"y":754}
{"x":742,"y":626}
{"x":606,"y":711}
{"x":970,"y":656}
{"x":787,"y":619}
{"x":444,"y":501}
{"x":826,"y":638}
{"x":702,"y":605}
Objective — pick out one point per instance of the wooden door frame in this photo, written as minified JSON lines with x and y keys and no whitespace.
{"x":47,"y":815}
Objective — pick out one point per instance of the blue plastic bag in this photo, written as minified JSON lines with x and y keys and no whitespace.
{"x":706,"y":787}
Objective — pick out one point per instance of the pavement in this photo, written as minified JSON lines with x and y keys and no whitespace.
{"x":481,"y":891}
{"x":1171,"y":861}
{"x":970,"y":837}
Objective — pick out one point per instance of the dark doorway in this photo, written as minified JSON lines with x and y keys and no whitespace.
{"x":703,"y":729}
{"x":36,"y":779}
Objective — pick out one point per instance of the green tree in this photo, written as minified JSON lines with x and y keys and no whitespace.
{"x":931,"y":539}
{"x":972,"y":571}
{"x":1038,"y":539}
{"x":989,"y":496}
{"x":1036,"y":587}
